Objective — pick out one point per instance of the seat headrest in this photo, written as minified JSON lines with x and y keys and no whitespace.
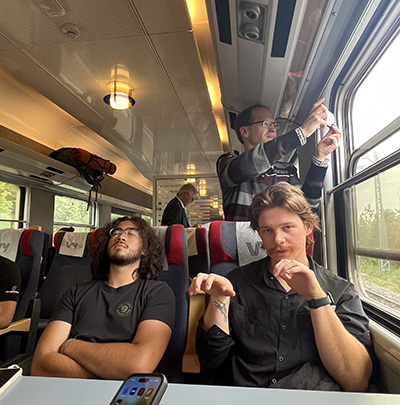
{"x":174,"y":244}
{"x":249,"y":244}
{"x":71,"y":243}
{"x":217,"y":251}
{"x":15,"y":242}
{"x":201,"y":240}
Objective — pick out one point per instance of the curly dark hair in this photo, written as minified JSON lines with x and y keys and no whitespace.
{"x":282,"y":195}
{"x":151,"y":263}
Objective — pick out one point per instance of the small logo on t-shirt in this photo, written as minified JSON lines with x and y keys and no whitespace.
{"x":124,"y":309}
{"x":13,"y":290}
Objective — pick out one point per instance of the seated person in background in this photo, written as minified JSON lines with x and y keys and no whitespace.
{"x":284,"y":321}
{"x":174,"y":212}
{"x":10,"y":284}
{"x":66,"y":229}
{"x":121,"y":322}
{"x":258,"y":167}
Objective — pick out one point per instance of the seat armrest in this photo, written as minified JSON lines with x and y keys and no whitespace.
{"x":197,"y":305}
{"x":22,"y":325}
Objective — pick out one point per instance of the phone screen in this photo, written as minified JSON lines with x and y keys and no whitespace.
{"x":141,"y":390}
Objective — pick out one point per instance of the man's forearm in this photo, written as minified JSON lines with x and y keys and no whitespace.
{"x":7,"y":310}
{"x":58,"y":365}
{"x":111,"y":360}
{"x":344,"y":357}
{"x":217,"y":313}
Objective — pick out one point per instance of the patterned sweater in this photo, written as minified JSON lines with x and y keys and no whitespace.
{"x":242,"y":176}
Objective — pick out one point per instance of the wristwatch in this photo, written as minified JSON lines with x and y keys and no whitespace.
{"x":320,"y":302}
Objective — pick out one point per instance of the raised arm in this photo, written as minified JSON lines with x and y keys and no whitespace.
{"x":233,"y":170}
{"x":344,"y":357}
{"x":314,"y":181}
{"x":220,"y":290}
{"x":49,"y":361}
{"x":328,"y":144}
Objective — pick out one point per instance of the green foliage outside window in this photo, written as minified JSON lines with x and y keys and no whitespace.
{"x":70,"y":211}
{"x":9,"y":196}
{"x":387,"y":275}
{"x":370,"y":230}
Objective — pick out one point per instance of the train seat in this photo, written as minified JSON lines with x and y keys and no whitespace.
{"x":200,"y":260}
{"x":232,"y":244}
{"x":70,"y":265}
{"x":197,"y":306}
{"x":177,"y":277}
{"x":28,"y":257}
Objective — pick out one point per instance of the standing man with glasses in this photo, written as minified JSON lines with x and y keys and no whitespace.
{"x":242,"y":176}
{"x":174,"y":212}
{"x":121,"y":322}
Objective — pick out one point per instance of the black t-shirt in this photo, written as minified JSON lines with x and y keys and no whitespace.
{"x":10,"y":280}
{"x":99,"y":313}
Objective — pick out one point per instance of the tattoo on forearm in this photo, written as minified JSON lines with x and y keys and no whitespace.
{"x":222,"y":308}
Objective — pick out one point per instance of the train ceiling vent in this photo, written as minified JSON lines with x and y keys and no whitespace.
{"x":251,"y":21}
{"x":255,"y":43}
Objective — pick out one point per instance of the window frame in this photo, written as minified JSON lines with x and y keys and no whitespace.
{"x":346,"y":251}
{"x":23,"y":199}
{"x":93,"y":214}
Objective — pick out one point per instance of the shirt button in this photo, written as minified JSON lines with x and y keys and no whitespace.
{"x":274,"y":381}
{"x":286,"y":297}
{"x":281,"y":358}
{"x":283,"y":327}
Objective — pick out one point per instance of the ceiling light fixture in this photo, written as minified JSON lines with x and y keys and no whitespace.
{"x":202,"y":187}
{"x":191,"y":171}
{"x":120,"y":97}
{"x":214,"y":203}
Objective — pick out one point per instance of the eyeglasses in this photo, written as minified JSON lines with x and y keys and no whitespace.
{"x":114,"y":232}
{"x":265,"y":123}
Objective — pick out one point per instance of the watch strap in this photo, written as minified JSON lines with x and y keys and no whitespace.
{"x":320,"y":302}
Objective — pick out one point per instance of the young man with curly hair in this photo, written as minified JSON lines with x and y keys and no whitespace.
{"x":121,"y":322}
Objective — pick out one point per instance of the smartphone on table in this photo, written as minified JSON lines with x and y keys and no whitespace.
{"x":141,"y":389}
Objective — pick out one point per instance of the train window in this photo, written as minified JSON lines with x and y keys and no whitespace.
{"x":11,"y":205}
{"x":377,"y":239}
{"x":72,"y":212}
{"x":148,"y":219}
{"x":382,"y":86}
{"x":119,"y":212}
{"x":375,"y":196}
{"x":378,"y":152}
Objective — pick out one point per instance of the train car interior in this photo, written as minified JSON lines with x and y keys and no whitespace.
{"x":155,"y":87}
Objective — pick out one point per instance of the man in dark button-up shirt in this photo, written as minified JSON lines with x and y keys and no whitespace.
{"x":284,"y":321}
